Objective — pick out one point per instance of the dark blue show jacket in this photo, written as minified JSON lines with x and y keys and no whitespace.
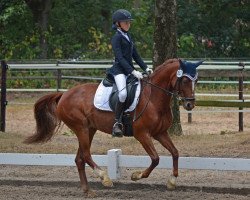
{"x":124,"y":51}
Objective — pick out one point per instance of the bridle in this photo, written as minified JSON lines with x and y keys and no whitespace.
{"x":178,"y":83}
{"x":175,"y":93}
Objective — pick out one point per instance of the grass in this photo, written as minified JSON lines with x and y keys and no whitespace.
{"x":210,"y":145}
{"x":13,"y":143}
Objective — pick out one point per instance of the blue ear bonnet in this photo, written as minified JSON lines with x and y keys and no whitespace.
{"x":189,"y":68}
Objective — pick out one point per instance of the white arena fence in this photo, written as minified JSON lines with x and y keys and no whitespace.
{"x":105,"y":64}
{"x":114,"y":161}
{"x":226,"y":65}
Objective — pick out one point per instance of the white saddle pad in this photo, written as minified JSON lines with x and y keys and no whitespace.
{"x":101,"y":100}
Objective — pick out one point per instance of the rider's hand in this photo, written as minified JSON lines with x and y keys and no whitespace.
{"x":149,"y":71}
{"x":137,"y":74}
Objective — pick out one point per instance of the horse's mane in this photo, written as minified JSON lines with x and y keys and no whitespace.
{"x":167,"y":62}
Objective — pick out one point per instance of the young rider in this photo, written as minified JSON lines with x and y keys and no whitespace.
{"x":124,"y":51}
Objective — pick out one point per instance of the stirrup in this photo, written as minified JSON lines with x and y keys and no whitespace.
{"x":117,"y":125}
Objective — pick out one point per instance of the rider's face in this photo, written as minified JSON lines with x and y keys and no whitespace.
{"x":125,"y":25}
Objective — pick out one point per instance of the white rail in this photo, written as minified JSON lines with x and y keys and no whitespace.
{"x":114,"y":160}
{"x":222,"y":65}
{"x":63,"y":90}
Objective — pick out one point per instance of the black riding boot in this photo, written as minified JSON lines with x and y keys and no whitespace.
{"x":118,"y":126}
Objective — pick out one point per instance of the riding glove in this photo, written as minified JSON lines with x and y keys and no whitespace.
{"x":149,"y":71}
{"x":137,"y":74}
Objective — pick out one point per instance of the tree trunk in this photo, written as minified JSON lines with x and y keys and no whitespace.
{"x":40,"y":10}
{"x":165,"y":39}
{"x":176,"y":128}
{"x":106,"y":23}
{"x":165,"y":46}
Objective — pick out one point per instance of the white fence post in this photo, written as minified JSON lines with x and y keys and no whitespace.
{"x":114,"y":171}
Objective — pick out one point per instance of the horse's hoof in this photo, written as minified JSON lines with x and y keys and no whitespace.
{"x":171,"y":184}
{"x":90,"y":194}
{"x":136,"y":176}
{"x":107,"y":182}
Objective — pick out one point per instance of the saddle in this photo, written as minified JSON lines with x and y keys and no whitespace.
{"x":131,"y":86}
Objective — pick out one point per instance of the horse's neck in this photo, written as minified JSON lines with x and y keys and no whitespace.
{"x":162,"y":78}
{"x":165,"y":73}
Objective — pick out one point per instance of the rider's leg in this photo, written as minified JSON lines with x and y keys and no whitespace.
{"x":120,"y":80}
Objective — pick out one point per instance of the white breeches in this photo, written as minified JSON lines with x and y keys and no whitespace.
{"x":120,"y":81}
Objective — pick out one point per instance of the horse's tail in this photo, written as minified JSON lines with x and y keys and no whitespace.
{"x":47,"y":122}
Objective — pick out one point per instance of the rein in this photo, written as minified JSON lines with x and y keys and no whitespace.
{"x":156,"y":86}
{"x":169,"y":92}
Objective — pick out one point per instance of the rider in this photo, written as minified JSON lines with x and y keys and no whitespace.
{"x":124,"y":51}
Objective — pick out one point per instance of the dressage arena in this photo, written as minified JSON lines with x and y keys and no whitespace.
{"x":207,"y":136}
{"x":29,"y":182}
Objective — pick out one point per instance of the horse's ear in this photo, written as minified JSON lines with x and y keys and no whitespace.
{"x":182,"y":63}
{"x":198,"y":63}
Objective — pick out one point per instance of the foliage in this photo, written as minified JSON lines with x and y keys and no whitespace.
{"x":143,"y":27}
{"x":188,"y":46}
{"x":19,"y":80}
{"x":221,"y":27}
{"x":17,"y":36}
{"x":41,"y":79}
{"x":100,"y":47}
{"x":82,"y":29}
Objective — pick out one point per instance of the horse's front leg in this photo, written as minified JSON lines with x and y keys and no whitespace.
{"x":166,"y":141}
{"x":148,"y":145}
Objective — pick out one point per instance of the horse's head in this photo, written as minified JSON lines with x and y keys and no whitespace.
{"x":187,"y":77}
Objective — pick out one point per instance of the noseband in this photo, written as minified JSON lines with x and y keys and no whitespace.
{"x":177,"y":85}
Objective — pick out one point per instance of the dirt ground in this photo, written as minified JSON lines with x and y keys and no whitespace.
{"x":210,"y":135}
{"x":33,"y":182}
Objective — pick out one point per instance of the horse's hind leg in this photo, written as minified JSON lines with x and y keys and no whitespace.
{"x":80,"y":163}
{"x":85,"y":140}
{"x":166,"y":141}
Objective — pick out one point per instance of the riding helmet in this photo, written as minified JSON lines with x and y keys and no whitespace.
{"x":121,"y":15}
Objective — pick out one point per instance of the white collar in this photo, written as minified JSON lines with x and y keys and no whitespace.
{"x":124,"y":34}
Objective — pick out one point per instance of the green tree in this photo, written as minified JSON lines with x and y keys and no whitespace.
{"x":64,"y":29}
{"x":41,"y":10}
{"x":18,"y":39}
{"x":220,"y":28}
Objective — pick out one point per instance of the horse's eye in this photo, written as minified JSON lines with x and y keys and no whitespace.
{"x":185,"y":81}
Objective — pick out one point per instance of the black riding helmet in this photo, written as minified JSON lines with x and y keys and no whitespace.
{"x":121,"y":15}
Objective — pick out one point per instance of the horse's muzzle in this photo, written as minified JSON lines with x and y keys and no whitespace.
{"x":188,"y":103}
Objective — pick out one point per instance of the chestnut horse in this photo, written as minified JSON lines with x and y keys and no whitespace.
{"x":75,"y":108}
